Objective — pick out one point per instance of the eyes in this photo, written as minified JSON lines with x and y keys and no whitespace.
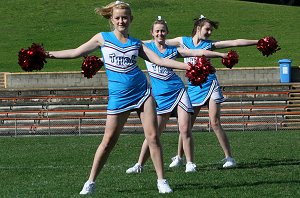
{"x":160,"y":31}
{"x":123,"y":18}
{"x":207,"y":29}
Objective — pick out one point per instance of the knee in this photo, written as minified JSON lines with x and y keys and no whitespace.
{"x":152,"y":139}
{"x":215,"y":124}
{"x":185,"y":129}
{"x":108,"y":144}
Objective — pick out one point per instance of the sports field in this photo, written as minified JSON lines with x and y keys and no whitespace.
{"x":57,"y":166}
{"x":67,"y":24}
{"x":268,"y":166}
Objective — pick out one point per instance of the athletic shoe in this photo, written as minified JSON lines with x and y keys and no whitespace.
{"x":229,"y":162}
{"x":190,"y":167}
{"x":163,"y":186}
{"x":176,"y":161}
{"x":88,"y":188}
{"x":135,"y":169}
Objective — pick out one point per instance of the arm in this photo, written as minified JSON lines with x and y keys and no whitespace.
{"x":174,"y":42}
{"x":234,"y":43}
{"x":147,"y":41}
{"x":199,"y":52}
{"x":151,"y":56}
{"x":82,"y":50}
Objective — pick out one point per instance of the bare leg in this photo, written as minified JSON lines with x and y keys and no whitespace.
{"x":147,"y":114}
{"x":145,"y":152}
{"x":194,"y":116}
{"x":150,"y":126}
{"x":214,"y":115}
{"x":114,"y":126}
{"x":180,"y":143}
{"x":184,"y":122}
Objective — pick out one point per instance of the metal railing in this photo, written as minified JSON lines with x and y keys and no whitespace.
{"x":84,"y":126}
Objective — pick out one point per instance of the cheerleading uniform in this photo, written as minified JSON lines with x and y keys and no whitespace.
{"x":128,"y":87}
{"x":210,"y":88}
{"x":168,"y":88}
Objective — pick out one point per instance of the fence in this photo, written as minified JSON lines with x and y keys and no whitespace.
{"x":96,"y":125}
{"x":83,"y":111}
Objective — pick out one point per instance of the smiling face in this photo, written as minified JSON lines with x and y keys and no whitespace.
{"x":159,"y":32}
{"x":205,"y":31}
{"x":121,"y":19}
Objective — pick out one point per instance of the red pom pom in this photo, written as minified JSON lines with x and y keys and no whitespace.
{"x":198,"y":72}
{"x":267,"y":45}
{"x":232,"y":59}
{"x":32,"y":58}
{"x":91,"y":65}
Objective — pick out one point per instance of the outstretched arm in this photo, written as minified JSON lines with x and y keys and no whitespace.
{"x":82,"y":50}
{"x":147,"y":41}
{"x":200,"y":52}
{"x":151,"y":56}
{"x":174,"y":42}
{"x":234,"y":43}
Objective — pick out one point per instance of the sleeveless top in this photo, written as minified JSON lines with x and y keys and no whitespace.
{"x":167,"y":87}
{"x":127,"y":84}
{"x":211,"y":88}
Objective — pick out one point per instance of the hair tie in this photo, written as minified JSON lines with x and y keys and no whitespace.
{"x":159,"y":18}
{"x":120,"y":2}
{"x":202,"y":17}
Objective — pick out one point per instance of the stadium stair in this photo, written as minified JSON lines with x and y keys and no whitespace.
{"x":292,"y":121}
{"x":83,"y":110}
{"x":2,"y":80}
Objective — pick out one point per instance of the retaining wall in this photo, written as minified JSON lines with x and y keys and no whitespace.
{"x":37,"y":80}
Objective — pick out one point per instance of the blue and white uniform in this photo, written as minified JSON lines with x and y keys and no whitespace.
{"x":210,"y":88}
{"x":127,"y":85}
{"x":167,"y":88}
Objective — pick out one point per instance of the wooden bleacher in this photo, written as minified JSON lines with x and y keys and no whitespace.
{"x":83,"y":110}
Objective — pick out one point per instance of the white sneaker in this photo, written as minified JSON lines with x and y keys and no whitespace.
{"x":176,"y":161}
{"x":163,"y":186}
{"x":190,"y":167}
{"x":88,"y":188}
{"x":137,"y":168}
{"x":229,"y":162}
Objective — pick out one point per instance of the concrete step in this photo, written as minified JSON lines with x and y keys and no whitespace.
{"x":293,"y":102}
{"x":295,"y":86}
{"x":293,"y":109}
{"x":83,"y":111}
{"x":2,"y":80}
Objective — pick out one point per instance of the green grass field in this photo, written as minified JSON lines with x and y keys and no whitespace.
{"x":268,"y":166}
{"x":67,"y":24}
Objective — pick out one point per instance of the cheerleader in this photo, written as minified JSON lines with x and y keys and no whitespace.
{"x":209,"y":94}
{"x":127,"y":85}
{"x":170,"y":94}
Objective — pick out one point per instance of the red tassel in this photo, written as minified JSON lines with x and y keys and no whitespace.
{"x":90,"y":66}
{"x":231,"y":60}
{"x":267,"y":45}
{"x":198,"y":72}
{"x":32,"y":58}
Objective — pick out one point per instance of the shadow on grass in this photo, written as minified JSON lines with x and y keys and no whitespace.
{"x":184,"y":185}
{"x":199,"y":185}
{"x":265,"y":163}
{"x":262,"y":163}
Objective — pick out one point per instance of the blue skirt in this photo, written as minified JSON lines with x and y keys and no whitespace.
{"x":200,"y":95}
{"x":168,"y":101}
{"x":128,"y":99}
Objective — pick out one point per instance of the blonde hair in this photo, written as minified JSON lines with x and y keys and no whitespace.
{"x":107,"y":11}
{"x":161,"y":21}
